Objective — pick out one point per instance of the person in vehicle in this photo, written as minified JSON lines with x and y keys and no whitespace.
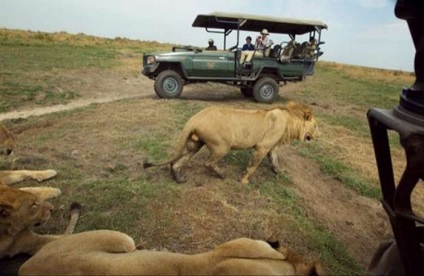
{"x":309,"y":54}
{"x":263,"y":43}
{"x":247,"y":51}
{"x":211,"y":46}
{"x":311,"y":48}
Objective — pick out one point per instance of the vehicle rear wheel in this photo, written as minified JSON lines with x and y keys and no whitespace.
{"x":265,"y":90}
{"x":169,"y":84}
{"x":246,"y":91}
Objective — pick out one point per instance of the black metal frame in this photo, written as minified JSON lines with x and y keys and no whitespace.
{"x":407,"y":227}
{"x":408,"y":120}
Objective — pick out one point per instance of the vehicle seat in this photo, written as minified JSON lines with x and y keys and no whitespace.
{"x":299,"y":51}
{"x":275,"y":51}
{"x":287,"y":52}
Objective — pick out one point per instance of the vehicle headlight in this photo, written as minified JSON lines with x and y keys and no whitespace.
{"x":151,"y":59}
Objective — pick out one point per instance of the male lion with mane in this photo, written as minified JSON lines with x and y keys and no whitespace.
{"x":224,"y":129}
{"x":104,"y":252}
{"x":7,"y":146}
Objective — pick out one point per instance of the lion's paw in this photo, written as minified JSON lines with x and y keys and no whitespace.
{"x":44,"y":175}
{"x":43,"y":193}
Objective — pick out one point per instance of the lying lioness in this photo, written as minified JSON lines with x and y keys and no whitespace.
{"x":7,"y":146}
{"x":20,"y":210}
{"x":104,"y":252}
{"x":223,"y":129}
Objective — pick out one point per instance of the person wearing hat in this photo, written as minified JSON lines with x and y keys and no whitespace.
{"x":263,"y":43}
{"x":211,"y":47}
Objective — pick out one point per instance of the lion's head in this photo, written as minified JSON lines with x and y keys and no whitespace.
{"x":300,"y":265}
{"x":21,"y":209}
{"x":7,"y":141}
{"x":307,"y":126}
{"x":310,"y":128}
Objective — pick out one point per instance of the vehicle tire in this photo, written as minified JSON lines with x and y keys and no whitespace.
{"x":169,"y":84}
{"x":247,"y":91}
{"x":265,"y":90}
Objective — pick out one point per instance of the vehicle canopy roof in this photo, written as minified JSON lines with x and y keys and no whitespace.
{"x":248,"y":22}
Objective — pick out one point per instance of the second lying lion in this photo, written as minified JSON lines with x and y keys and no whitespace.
{"x":224,"y":129}
{"x":7,"y":147}
{"x":105,"y":252}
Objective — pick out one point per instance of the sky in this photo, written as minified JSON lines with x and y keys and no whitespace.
{"x":360,"y":32}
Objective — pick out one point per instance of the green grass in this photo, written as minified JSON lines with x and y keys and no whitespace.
{"x":359,"y":126}
{"x":332,"y":251}
{"x":346,"y":89}
{"x":239,"y":158}
{"x":183,"y":112}
{"x":105,"y":208}
{"x":122,"y":211}
{"x":34,"y":65}
{"x":154,"y":147}
{"x":338,"y":170}
{"x":29,"y":58}
{"x":29,"y":71}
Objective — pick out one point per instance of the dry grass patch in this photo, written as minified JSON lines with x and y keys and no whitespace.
{"x":374,"y":74}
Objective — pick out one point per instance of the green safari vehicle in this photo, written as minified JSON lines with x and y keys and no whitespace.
{"x":259,"y":78}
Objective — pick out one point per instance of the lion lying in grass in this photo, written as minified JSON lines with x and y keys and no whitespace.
{"x":104,"y":252}
{"x":224,"y":129}
{"x":7,"y":146}
{"x":20,"y":210}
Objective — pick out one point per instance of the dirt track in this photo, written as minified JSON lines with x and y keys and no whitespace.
{"x":100,"y":88}
{"x":360,"y":223}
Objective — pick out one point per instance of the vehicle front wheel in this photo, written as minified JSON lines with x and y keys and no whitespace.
{"x":265,"y":90}
{"x":169,"y":84}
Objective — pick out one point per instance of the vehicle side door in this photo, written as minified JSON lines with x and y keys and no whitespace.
{"x":213,"y":64}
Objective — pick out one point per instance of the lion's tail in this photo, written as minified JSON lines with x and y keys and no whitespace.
{"x":75,"y":210}
{"x":186,"y":133}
